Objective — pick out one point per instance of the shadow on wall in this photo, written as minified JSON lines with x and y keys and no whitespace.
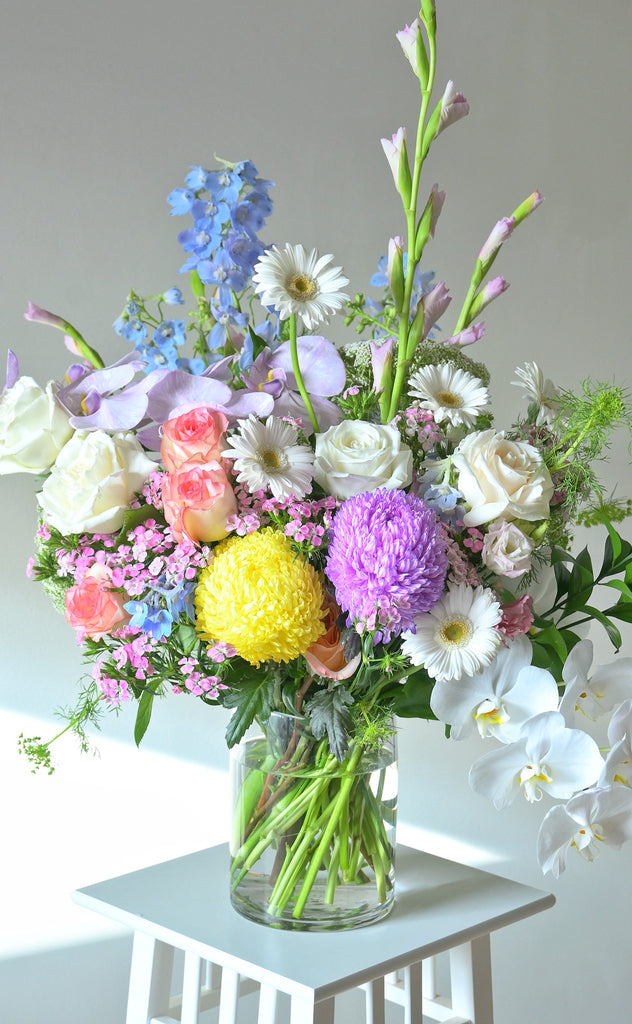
{"x":73,"y":985}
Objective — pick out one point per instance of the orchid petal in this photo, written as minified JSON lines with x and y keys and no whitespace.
{"x":322,"y":369}
{"x":175,"y":390}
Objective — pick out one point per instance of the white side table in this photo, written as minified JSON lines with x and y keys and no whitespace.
{"x":183,"y":904}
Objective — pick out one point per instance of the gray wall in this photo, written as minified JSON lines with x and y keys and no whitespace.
{"x":104,"y":108}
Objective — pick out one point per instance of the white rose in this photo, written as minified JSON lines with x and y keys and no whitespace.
{"x":507,"y":550}
{"x":90,"y":486}
{"x":498,"y":477}
{"x":356,"y":456}
{"x":33,"y":428}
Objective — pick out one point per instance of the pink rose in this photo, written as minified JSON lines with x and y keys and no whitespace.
{"x":196,"y":434}
{"x":198,"y":499}
{"x":92,"y":607}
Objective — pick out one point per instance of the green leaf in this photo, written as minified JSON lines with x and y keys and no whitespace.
{"x":613,"y":633}
{"x":622,"y":610}
{"x":251,"y":699}
{"x":411,"y":699}
{"x":562,"y":578}
{"x":622,"y":586}
{"x":328,"y":713}
{"x":143,"y":714}
{"x":552,"y":637}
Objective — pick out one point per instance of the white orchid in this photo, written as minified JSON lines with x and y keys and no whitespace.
{"x":618,"y":767}
{"x":547,"y":757}
{"x":598,"y":816}
{"x":595,"y":694}
{"x":500,"y":699}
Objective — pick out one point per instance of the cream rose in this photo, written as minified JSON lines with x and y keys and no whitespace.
{"x":92,"y":482}
{"x":507,"y":550}
{"x":498,"y":477}
{"x":33,"y":428}
{"x":357,"y":456}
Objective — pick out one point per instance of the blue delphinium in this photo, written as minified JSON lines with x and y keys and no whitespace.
{"x":228,"y":208}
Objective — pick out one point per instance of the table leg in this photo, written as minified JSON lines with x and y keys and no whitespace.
{"x":229,"y":996}
{"x":374,"y":1001}
{"x":191,"y":989}
{"x":306,"y":1011}
{"x":150,"y":979}
{"x":471,"y":976}
{"x":413,"y":984}
{"x":268,"y":998}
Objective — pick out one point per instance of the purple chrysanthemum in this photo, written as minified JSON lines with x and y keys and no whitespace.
{"x":387,"y":560}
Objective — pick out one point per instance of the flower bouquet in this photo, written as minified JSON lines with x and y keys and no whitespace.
{"x":321,"y":537}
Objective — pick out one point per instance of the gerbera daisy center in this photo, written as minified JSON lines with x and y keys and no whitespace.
{"x":301,"y":287}
{"x":456,"y":632}
{"x":272,"y":459}
{"x":449,"y":399}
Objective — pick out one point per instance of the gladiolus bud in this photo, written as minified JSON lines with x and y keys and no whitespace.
{"x":37,"y":315}
{"x":528,"y":206}
{"x":499,"y":234}
{"x":491,"y":291}
{"x":470,"y":334}
{"x":454,"y":106}
{"x":397,"y":156}
{"x":395,"y":270}
{"x":411,"y":42}
{"x":429,"y":218}
{"x":41,"y":316}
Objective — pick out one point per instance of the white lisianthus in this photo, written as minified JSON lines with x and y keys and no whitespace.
{"x":33,"y":427}
{"x":498,"y":700}
{"x":507,"y":550}
{"x":356,"y":456}
{"x":588,"y":821}
{"x":92,"y":482}
{"x":499,"y":477}
{"x":548,"y":758}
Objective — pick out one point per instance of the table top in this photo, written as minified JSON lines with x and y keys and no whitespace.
{"x":439,"y":904}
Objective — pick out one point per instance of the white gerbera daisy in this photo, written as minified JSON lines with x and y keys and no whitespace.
{"x":539,"y":390}
{"x":293,"y":281}
{"x":450,"y":394}
{"x":458,"y":636}
{"x":267,"y":457}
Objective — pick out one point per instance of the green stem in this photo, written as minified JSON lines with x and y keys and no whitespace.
{"x":403,"y":356}
{"x":299,"y":377}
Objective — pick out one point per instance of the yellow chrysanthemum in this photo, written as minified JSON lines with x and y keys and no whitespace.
{"x":258,"y":596}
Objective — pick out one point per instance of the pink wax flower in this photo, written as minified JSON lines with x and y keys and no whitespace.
{"x":197,"y":433}
{"x":93,"y":608}
{"x":198,"y":501}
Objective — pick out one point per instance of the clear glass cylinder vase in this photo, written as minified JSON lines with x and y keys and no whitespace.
{"x":313,"y":838}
